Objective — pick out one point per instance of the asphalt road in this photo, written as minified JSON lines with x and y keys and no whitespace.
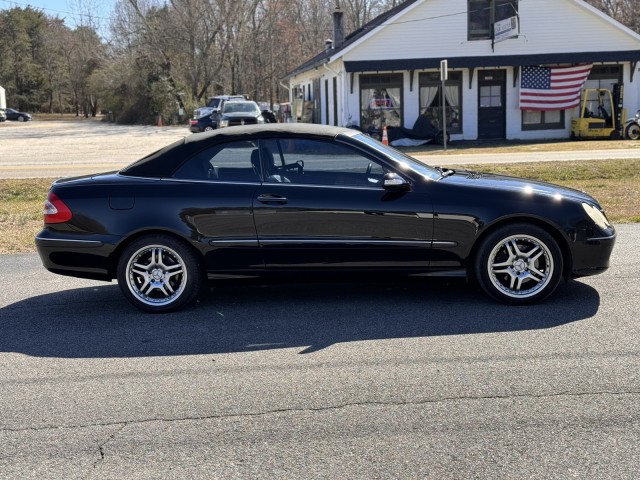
{"x":417,"y":380}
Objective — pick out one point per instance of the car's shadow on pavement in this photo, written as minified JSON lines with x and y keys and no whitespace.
{"x":99,"y":323}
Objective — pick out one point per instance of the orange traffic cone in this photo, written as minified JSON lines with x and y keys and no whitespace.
{"x":385,"y":137}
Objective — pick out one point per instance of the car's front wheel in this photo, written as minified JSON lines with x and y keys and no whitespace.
{"x":519,"y":264}
{"x":159,"y":274}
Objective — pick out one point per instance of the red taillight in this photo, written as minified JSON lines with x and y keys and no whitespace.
{"x":55,"y":211}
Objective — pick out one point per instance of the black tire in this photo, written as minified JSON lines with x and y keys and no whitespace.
{"x":208,"y":128}
{"x":519,"y":264}
{"x":633,"y":131}
{"x":159,"y":273}
{"x":21,"y":118}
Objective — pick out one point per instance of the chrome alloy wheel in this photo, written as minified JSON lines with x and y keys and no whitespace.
{"x":520,"y":266}
{"x":156,"y":275}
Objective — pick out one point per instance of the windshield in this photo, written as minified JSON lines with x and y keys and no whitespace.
{"x":213,"y":103}
{"x":231,"y":107}
{"x":403,"y":159}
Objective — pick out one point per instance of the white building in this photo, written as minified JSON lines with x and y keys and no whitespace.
{"x":388,"y":71}
{"x":3,"y":98}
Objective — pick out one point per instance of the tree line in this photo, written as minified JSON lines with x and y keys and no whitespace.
{"x":168,"y":56}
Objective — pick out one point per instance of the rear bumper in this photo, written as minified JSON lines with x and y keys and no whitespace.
{"x":86,"y":257}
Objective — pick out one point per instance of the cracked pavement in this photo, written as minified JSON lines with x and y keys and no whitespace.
{"x":426,"y":379}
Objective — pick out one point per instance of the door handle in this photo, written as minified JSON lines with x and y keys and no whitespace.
{"x":269,"y":198}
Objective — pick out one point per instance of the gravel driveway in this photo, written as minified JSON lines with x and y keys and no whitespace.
{"x":68,"y":148}
{"x":59,"y":148}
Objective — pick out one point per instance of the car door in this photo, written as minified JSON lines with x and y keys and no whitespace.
{"x":219,"y":185}
{"x":322,"y":205}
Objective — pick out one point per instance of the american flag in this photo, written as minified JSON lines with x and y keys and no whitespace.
{"x":552,"y":88}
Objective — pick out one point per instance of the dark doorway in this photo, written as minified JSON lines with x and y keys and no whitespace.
{"x":491,"y":104}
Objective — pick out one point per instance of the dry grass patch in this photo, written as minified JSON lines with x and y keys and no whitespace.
{"x":21,"y":204}
{"x":615,"y":183}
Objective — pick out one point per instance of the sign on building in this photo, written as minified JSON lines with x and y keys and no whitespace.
{"x":504,"y":29}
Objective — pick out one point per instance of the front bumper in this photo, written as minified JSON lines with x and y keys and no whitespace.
{"x":592,"y":255}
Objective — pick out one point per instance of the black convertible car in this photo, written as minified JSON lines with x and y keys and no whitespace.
{"x":281,"y":199}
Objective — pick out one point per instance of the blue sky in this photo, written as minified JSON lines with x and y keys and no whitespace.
{"x":63,"y":8}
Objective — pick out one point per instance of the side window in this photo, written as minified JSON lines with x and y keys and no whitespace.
{"x":229,"y":162}
{"x":315,"y":162}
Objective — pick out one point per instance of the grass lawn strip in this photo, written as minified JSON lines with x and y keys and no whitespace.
{"x":615,"y":183}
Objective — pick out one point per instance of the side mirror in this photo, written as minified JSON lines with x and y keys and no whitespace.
{"x":392,"y":182}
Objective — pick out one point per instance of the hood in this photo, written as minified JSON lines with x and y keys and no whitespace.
{"x":503,"y":182}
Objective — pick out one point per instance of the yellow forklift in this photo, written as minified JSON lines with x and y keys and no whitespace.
{"x":601,"y":114}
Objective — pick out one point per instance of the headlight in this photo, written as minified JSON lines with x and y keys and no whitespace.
{"x":260,"y":119}
{"x":596,"y":215}
{"x":223,"y":123}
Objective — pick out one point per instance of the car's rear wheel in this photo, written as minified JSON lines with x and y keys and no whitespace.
{"x":159,"y":274}
{"x":519,"y":264}
{"x":208,"y":128}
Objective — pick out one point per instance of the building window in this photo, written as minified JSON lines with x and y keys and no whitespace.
{"x":380,"y":101}
{"x":484,"y":13}
{"x":431,"y":100}
{"x":542,"y":120}
{"x":604,"y":76}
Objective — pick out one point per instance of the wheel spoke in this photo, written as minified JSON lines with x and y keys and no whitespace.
{"x":167,"y":284}
{"x":532,"y":251}
{"x":534,"y":260}
{"x":169,"y":275}
{"x":537,"y":275}
{"x":508,"y":263}
{"x":512,"y":249}
{"x":504,"y":270}
{"x":146,"y":282}
{"x":156,"y":255}
{"x":139,"y":270}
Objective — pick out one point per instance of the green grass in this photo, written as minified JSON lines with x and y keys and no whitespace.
{"x":615,"y":183}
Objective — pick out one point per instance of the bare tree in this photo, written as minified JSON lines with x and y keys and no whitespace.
{"x":626,"y":12}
